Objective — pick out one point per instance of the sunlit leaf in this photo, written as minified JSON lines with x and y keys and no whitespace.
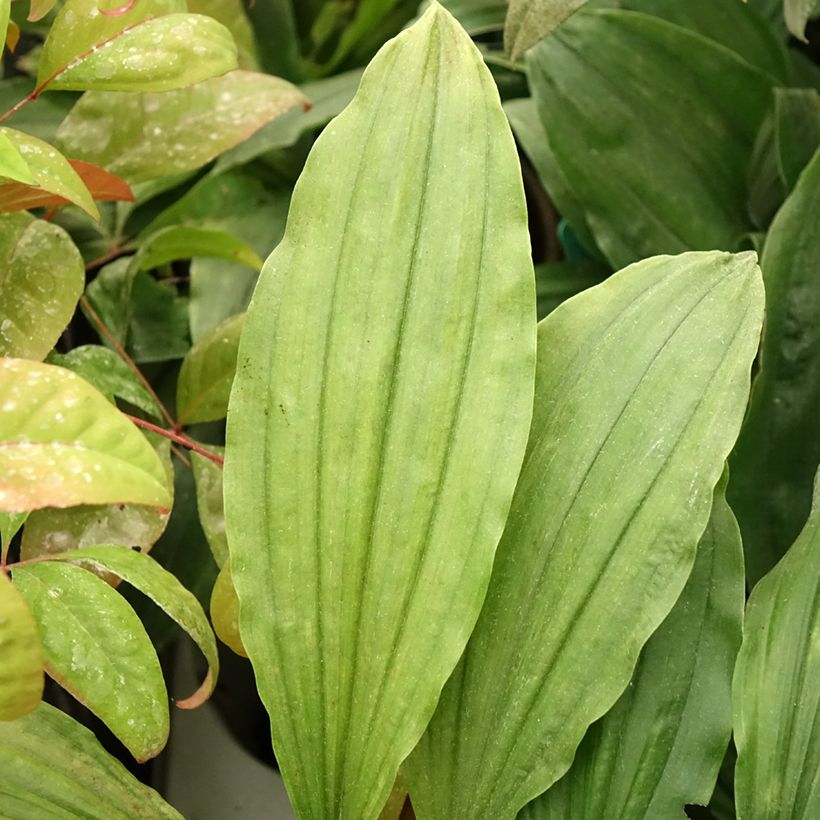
{"x":12,"y":164}
{"x":778,"y":452}
{"x":97,"y":649}
{"x":185,"y":242}
{"x":529,"y":21}
{"x":21,"y":672}
{"x":207,"y":373}
{"x":151,"y":47}
{"x":208,"y":477}
{"x":660,"y":747}
{"x":53,"y":175}
{"x":55,"y":769}
{"x":141,"y":137}
{"x":62,"y":443}
{"x":777,"y":688}
{"x":641,"y":386}
{"x":655,"y":176}
{"x":41,"y":278}
{"x":225,"y":611}
{"x":403,"y":289}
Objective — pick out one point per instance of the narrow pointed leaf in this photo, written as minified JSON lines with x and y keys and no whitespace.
{"x":55,"y":769}
{"x":660,"y":747}
{"x":529,"y":21}
{"x":777,"y":688}
{"x":225,"y":611}
{"x":611,"y":81}
{"x":641,"y":385}
{"x":97,"y":649}
{"x":21,"y":670}
{"x":42,"y":276}
{"x":207,"y":373}
{"x":146,"y":136}
{"x":779,"y":448}
{"x":209,"y":501}
{"x":380,"y":409}
{"x":163,"y":588}
{"x":53,"y":175}
{"x":62,"y":443}
{"x":186,"y":242}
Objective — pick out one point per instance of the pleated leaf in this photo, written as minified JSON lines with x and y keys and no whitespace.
{"x":21,"y":670}
{"x":55,"y":769}
{"x":62,"y":443}
{"x":779,"y":449}
{"x":665,"y":155}
{"x":641,"y":385}
{"x":777,"y":688}
{"x":660,"y":747}
{"x":379,"y":415}
{"x":97,"y":649}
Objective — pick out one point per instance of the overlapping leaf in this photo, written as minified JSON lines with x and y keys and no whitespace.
{"x":660,"y":747}
{"x":62,"y":443}
{"x":777,"y":688}
{"x":225,"y":611}
{"x":185,"y":242}
{"x":529,"y":21}
{"x":641,"y":387}
{"x":209,"y":501}
{"x":797,"y":130}
{"x":403,"y":290}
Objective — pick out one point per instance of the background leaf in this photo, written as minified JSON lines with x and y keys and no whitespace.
{"x":183,"y":242}
{"x":641,"y":385}
{"x":406,"y":295}
{"x":12,"y":164}
{"x":225,"y":611}
{"x":797,"y":117}
{"x":209,"y":499}
{"x":529,"y":21}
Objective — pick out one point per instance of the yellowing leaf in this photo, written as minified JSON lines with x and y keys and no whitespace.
{"x":225,"y":611}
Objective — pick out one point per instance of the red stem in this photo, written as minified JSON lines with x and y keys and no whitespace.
{"x":179,"y":439}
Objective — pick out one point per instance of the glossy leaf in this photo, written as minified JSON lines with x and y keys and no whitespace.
{"x":97,"y":649}
{"x":529,"y":21}
{"x":150,"y":47}
{"x":142,"y":137}
{"x":21,"y":673}
{"x":777,"y":688}
{"x":12,"y":164}
{"x":232,"y":15}
{"x":641,"y":385}
{"x":55,"y":769}
{"x":775,"y":460}
{"x":403,"y":288}
{"x":660,"y":747}
{"x":797,"y":117}
{"x":207,"y":373}
{"x":654,"y":176}
{"x":163,"y":588}
{"x":209,"y":500}
{"x":53,"y":174}
{"x":225,"y":611}
{"x":184,"y":242}
{"x":41,"y":278}
{"x":62,"y":443}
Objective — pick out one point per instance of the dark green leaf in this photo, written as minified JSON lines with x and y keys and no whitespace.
{"x":797,"y":114}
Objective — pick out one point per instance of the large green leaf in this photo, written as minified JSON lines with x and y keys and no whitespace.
{"x":21,"y":672}
{"x":41,"y":278}
{"x":62,"y":443}
{"x":97,"y":649}
{"x":641,"y":385}
{"x":779,"y":448}
{"x":149,"y":47}
{"x":665,"y":155}
{"x":145,"y":136}
{"x":55,"y":769}
{"x":380,"y":409}
{"x":777,"y":688}
{"x":529,"y":21}
{"x":163,"y":588}
{"x":660,"y":747}
{"x":207,"y":373}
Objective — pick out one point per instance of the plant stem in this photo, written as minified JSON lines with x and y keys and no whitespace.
{"x":178,"y":438}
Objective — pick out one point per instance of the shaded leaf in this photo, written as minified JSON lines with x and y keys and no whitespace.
{"x":779,"y":447}
{"x":97,"y":649}
{"x":777,"y":688}
{"x":142,"y":137}
{"x":40,"y":120}
{"x":21,"y":672}
{"x":41,"y":278}
{"x":184,"y":242}
{"x":53,"y":174}
{"x":555,"y":282}
{"x":55,"y":769}
{"x":225,"y":611}
{"x":402,"y":426}
{"x":641,"y":385}
{"x":62,"y":443}
{"x":655,"y":177}
{"x":207,"y":373}
{"x":529,"y":21}
{"x":151,"y":47}
{"x":478,"y":16}
{"x":208,"y":478}
{"x":660,"y":747}
{"x":797,"y":117}
{"x":163,"y":588}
